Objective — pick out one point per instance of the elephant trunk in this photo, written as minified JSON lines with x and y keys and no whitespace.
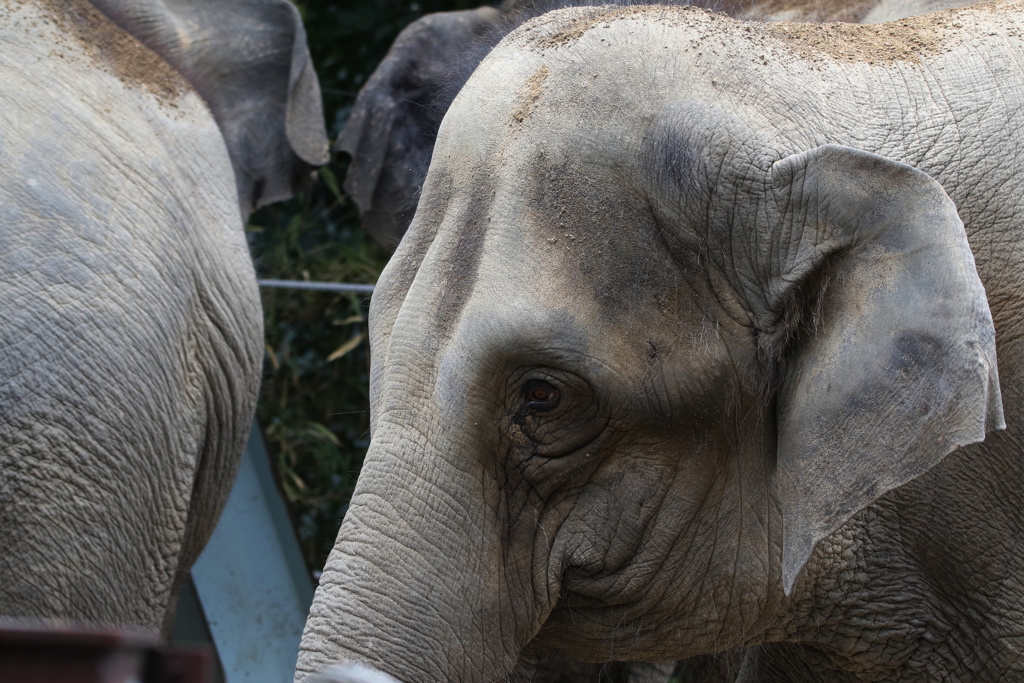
{"x":418,"y":582}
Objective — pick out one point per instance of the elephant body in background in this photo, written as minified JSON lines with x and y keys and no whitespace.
{"x":132,"y":326}
{"x":692,"y":344}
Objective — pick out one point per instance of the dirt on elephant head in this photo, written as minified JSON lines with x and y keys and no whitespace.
{"x":904,"y":40}
{"x":801,"y":10}
{"x":532,"y":92}
{"x":907,"y":40}
{"x":556,"y":29}
{"x":115,"y":50}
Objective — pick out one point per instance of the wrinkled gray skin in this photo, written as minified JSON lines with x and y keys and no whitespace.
{"x":132,"y":330}
{"x":391,"y":131}
{"x":735,"y":251}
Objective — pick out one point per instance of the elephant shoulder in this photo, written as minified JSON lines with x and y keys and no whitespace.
{"x":74,"y":30}
{"x":97,"y":149}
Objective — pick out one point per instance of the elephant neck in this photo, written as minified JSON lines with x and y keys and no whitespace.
{"x":912,"y":584}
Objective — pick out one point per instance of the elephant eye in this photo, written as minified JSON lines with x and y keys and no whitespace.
{"x":541,"y":396}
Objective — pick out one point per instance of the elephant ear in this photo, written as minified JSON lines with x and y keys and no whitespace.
{"x":898,"y":366}
{"x":249,"y":61}
{"x":391,"y":131}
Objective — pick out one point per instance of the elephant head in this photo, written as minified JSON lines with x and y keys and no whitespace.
{"x":250,"y":63}
{"x":635,"y":360}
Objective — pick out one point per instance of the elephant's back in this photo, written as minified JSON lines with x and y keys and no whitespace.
{"x":122,"y":265}
{"x":114,"y":196}
{"x":81,"y":122}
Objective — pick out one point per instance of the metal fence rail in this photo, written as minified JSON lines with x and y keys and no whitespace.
{"x":320,"y":286}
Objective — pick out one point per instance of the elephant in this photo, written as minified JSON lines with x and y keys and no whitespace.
{"x":692,"y":344}
{"x":135,"y":138}
{"x":391,"y":130}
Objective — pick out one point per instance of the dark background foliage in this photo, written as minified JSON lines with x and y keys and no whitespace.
{"x":314,"y":402}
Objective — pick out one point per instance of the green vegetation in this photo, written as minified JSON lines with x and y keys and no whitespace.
{"x":314,"y":402}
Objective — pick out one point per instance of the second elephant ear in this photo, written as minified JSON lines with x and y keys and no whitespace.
{"x":898,"y":366}
{"x":391,"y":131}
{"x":249,"y":61}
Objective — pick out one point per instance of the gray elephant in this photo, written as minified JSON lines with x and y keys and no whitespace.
{"x":692,"y":344}
{"x":132,"y":329}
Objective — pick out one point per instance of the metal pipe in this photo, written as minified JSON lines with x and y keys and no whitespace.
{"x":320,"y":286}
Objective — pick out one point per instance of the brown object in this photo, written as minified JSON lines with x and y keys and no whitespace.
{"x":36,"y":654}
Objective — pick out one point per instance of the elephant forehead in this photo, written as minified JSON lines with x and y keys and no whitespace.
{"x":590,"y":98}
{"x":537,"y":190}
{"x":588,"y":68}
{"x":571,"y":272}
